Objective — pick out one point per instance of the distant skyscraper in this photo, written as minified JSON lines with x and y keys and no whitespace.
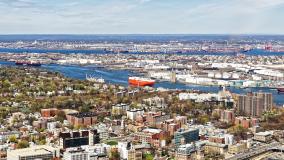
{"x":254,"y":104}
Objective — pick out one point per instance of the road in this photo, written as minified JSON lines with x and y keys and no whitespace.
{"x":255,"y":151}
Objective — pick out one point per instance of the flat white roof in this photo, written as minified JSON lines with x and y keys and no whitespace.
{"x":36,"y":150}
{"x":152,"y":130}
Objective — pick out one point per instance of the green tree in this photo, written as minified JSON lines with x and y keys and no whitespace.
{"x":23,"y":144}
{"x":85,"y":108}
{"x":148,"y":156}
{"x":13,"y":139}
{"x":112,"y":143}
{"x":42,"y":142}
{"x":60,"y":116}
{"x":114,"y":155}
{"x":6,"y":84}
{"x":203,"y":119}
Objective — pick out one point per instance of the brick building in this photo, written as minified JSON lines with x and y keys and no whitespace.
{"x":155,"y":137}
{"x":155,"y":118}
{"x":246,"y":122}
{"x":49,"y":112}
{"x":77,"y":119}
{"x":228,"y":116}
{"x":254,"y":104}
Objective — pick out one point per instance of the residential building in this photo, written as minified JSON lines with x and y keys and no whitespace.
{"x":155,"y":118}
{"x":263,"y":136}
{"x":119,"y":109}
{"x":216,"y":148}
{"x":184,"y":152}
{"x":82,"y":119}
{"x":156,"y":102}
{"x":155,"y":137}
{"x":49,"y":112}
{"x":85,"y":153}
{"x":76,"y":155}
{"x":134,"y":155}
{"x":228,"y":116}
{"x":237,"y":148}
{"x":133,"y":113}
{"x":78,"y":138}
{"x":254,"y":104}
{"x":246,"y":122}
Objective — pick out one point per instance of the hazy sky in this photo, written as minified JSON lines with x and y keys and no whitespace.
{"x":142,"y":16}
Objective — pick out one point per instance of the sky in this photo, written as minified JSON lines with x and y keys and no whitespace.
{"x":141,"y":16}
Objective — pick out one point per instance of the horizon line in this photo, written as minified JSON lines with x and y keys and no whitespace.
{"x":170,"y":34}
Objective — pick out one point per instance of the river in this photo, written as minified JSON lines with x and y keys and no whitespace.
{"x":121,"y":77}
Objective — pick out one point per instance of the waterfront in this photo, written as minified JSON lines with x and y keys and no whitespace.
{"x":121,"y":77}
{"x":256,"y":52}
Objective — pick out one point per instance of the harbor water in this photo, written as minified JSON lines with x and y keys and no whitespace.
{"x":121,"y":77}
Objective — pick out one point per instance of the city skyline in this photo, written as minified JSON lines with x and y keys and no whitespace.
{"x":141,"y":17}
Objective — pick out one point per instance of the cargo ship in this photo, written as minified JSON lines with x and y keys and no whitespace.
{"x":139,"y":81}
{"x":28,"y":63}
{"x":280,"y":89}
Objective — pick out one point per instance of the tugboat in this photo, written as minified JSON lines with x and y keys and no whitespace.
{"x":139,"y":81}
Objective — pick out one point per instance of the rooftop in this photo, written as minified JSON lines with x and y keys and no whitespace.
{"x":82,"y":115}
{"x":36,"y":150}
{"x":152,"y":130}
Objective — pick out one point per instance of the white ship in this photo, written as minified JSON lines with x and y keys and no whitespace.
{"x":94,"y":79}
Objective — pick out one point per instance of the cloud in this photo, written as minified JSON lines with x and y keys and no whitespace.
{"x":261,"y":4}
{"x":20,"y":3}
{"x":138,"y":16}
{"x":144,"y":1}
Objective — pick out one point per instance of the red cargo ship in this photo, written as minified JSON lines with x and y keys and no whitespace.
{"x":138,"y":81}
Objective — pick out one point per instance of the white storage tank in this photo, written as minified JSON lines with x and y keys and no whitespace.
{"x":211,"y":74}
{"x":218,"y":75}
{"x":256,"y":78}
{"x":226,"y":75}
{"x":236,"y":76}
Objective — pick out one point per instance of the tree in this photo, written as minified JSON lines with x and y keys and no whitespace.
{"x":215,"y":116}
{"x":13,"y":139}
{"x":203,"y":119}
{"x":23,"y":144}
{"x":60,"y":116}
{"x":148,"y":156}
{"x":112,"y":143}
{"x":85,"y":108}
{"x":6,"y":84}
{"x":238,"y":131}
{"x":42,"y":142}
{"x":114,"y":155}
